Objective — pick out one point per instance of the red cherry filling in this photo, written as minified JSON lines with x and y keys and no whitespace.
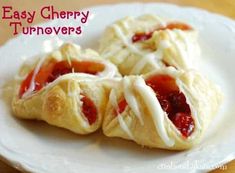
{"x":89,"y":109}
{"x":145,"y":36}
{"x":176,"y":25}
{"x":64,"y":67}
{"x":184,"y":123}
{"x":178,"y":101}
{"x":141,"y":37}
{"x":165,"y":104}
{"x":52,"y":70}
{"x":121,"y":106}
{"x":173,"y":102}
{"x":40,"y":79}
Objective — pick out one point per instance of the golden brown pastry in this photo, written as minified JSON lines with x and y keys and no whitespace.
{"x":167,"y":108}
{"x":64,"y":89}
{"x":143,"y":44}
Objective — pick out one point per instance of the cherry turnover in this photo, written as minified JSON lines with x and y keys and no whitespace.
{"x":53,"y":69}
{"x":172,"y":101}
{"x":145,"y":36}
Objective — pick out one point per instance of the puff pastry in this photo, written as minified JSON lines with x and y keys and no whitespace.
{"x":165,"y":105}
{"x":166,"y":108}
{"x":64,"y":89}
{"x":143,"y":44}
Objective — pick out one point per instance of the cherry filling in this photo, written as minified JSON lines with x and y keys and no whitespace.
{"x":173,"y":102}
{"x":89,"y":109}
{"x":40,"y":79}
{"x":121,"y":106}
{"x":64,"y":67}
{"x":145,"y":36}
{"x":52,"y":70}
{"x":141,"y":36}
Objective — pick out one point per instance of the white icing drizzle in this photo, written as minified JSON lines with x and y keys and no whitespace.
{"x":155,"y":110}
{"x":113,"y":101}
{"x":151,"y":58}
{"x":71,"y":93}
{"x":142,"y":62}
{"x":131,"y":99}
{"x":179,"y":48}
{"x":125,"y":41}
{"x":192,"y":48}
{"x":147,"y":58}
{"x":110,"y":70}
{"x":189,"y":92}
{"x":121,"y":56}
{"x":154,"y":57}
{"x":75,"y":94}
{"x":125,"y":25}
{"x":184,"y":39}
{"x":81,"y":77}
{"x":109,"y":53}
{"x":125,"y":127}
{"x":32,"y":82}
{"x":153,"y":105}
{"x":190,"y":101}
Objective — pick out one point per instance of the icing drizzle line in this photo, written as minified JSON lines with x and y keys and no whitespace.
{"x":153,"y":106}
{"x":154,"y":57}
{"x":155,"y":110}
{"x":113,"y":101}
{"x":131,"y":100}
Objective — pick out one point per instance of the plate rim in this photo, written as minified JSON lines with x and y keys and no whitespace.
{"x":22,"y":166}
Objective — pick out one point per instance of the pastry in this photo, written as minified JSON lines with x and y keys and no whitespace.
{"x":143,"y":44}
{"x":161,"y":101}
{"x":64,"y":89}
{"x":166,"y":108}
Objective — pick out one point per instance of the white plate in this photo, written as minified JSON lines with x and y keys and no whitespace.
{"x":38,"y":147}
